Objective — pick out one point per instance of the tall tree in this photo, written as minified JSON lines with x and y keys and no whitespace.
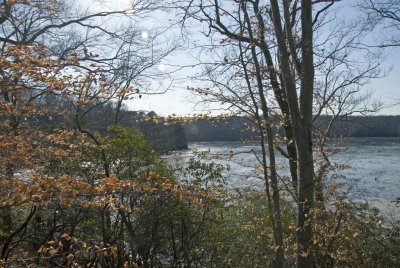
{"x":266,"y":57}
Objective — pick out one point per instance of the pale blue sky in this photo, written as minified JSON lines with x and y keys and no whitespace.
{"x":179,"y":101}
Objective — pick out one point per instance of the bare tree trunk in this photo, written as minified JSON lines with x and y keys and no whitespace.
{"x":276,"y":210}
{"x":301,"y":120}
{"x":280,"y":95}
{"x":304,"y":143}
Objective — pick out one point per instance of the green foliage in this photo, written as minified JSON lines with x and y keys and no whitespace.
{"x":205,"y":175}
{"x":128,"y":153}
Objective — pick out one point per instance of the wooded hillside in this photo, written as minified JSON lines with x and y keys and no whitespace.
{"x":236,"y":129}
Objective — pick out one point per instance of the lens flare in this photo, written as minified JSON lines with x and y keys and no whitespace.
{"x":144,"y":35}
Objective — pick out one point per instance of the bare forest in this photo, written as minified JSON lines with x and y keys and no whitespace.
{"x":89,"y":180}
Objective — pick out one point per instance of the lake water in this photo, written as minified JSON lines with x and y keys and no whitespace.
{"x":373,"y":167}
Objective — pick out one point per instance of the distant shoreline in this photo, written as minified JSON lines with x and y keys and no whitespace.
{"x":240,"y":128}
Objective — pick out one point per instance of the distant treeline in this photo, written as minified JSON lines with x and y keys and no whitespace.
{"x":162,"y":137}
{"x":174,"y":136}
{"x":240,"y":128}
{"x":98,"y":117}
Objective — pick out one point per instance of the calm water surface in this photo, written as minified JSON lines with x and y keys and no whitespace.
{"x":373,"y":167}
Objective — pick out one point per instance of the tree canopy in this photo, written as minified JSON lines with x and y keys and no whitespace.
{"x":82,"y":182}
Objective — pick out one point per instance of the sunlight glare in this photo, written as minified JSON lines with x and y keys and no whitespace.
{"x":144,"y":35}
